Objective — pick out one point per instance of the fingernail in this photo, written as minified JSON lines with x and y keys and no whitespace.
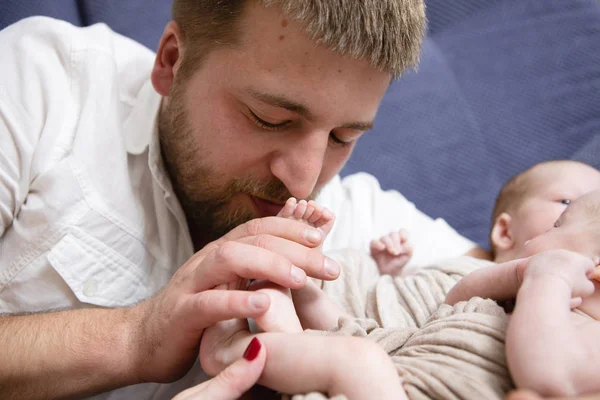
{"x":298,"y":275}
{"x":331,"y":268}
{"x":313,"y":236}
{"x":252,"y":350}
{"x":258,"y":301}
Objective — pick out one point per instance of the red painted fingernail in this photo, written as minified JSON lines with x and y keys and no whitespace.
{"x":252,"y":350}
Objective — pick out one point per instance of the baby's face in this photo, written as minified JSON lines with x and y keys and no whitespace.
{"x":577,"y":229}
{"x":553,"y":188}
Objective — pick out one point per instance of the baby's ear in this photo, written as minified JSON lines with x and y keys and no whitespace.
{"x":501,"y":236}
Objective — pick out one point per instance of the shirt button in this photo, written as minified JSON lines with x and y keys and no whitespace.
{"x":90,"y":287}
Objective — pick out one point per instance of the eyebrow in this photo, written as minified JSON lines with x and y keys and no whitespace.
{"x":301,"y":109}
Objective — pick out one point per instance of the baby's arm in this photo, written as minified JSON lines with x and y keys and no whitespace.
{"x":546,"y":352}
{"x":497,"y":282}
{"x":303,"y":363}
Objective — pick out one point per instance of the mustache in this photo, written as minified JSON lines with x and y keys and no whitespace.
{"x":274,"y":191}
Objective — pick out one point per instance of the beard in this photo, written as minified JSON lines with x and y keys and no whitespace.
{"x":206,"y":196}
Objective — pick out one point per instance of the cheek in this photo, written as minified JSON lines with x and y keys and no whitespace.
{"x":334,"y":162}
{"x":536,"y":222}
{"x":228,"y":136}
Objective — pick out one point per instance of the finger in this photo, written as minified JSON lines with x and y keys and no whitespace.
{"x":240,"y":376}
{"x":290,"y":229}
{"x":234,"y":260}
{"x":269,"y":257}
{"x":397,"y":240}
{"x":377,"y":245}
{"x":235,"y":380}
{"x":311,"y":261}
{"x":408,"y":249}
{"x":263,"y":257}
{"x":389,"y":244}
{"x":403,"y":235}
{"x":212,"y":306}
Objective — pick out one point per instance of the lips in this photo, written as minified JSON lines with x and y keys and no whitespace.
{"x":266,"y":208}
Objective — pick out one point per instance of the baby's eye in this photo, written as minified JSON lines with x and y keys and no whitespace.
{"x":566,"y":202}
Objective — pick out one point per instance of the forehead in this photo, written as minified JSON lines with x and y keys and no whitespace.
{"x":277,"y":56}
{"x":571,"y":177}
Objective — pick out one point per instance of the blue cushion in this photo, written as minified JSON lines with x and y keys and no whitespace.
{"x":12,"y":11}
{"x":425,"y":144}
{"x":141,"y":20}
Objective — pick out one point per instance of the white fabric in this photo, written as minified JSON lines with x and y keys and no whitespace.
{"x":365,"y":212}
{"x":87,"y":213}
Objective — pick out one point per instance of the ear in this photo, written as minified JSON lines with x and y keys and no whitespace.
{"x":168,"y":59}
{"x":501,"y":235}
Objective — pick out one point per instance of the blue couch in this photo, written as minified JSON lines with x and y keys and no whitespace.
{"x":502,"y":84}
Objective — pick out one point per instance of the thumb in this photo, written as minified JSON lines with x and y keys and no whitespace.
{"x":236,"y":379}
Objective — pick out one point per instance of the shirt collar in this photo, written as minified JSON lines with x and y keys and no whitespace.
{"x":141,"y":133}
{"x":142,"y":123}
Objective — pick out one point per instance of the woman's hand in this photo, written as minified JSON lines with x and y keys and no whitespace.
{"x":233,"y":381}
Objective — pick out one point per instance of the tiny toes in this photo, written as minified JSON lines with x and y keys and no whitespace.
{"x":310,"y":209}
{"x":288,"y":208}
{"x":317,"y":213}
{"x":300,"y":209}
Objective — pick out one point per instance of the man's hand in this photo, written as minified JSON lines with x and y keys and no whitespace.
{"x":170,"y":324}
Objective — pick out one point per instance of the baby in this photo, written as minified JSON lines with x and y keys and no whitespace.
{"x":552,"y":338}
{"x":527,"y":205}
{"x":327,"y":365}
{"x":552,"y":335}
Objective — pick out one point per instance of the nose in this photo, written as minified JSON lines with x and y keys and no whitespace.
{"x":298,"y":163}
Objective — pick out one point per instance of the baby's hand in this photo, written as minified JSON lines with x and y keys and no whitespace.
{"x":391,"y":252}
{"x":575,"y":269}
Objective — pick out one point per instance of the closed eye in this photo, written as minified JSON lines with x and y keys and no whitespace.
{"x":261,"y":123}
{"x":335,"y":140}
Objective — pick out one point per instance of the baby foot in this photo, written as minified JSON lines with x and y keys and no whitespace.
{"x":311,"y":213}
{"x":281,"y":315}
{"x":391,"y":252}
{"x":222,"y":344}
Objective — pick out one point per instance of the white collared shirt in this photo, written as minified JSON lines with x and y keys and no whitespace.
{"x":87,"y":212}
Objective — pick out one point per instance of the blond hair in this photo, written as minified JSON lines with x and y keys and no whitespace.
{"x":386,"y":33}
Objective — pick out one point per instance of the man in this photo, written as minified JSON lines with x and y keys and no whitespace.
{"x":126,"y":188}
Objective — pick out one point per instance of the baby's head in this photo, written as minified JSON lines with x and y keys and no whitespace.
{"x":577,"y":229}
{"x":530,"y":203}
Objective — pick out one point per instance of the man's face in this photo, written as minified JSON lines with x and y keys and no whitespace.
{"x":274,"y":117}
{"x":577,"y":229}
{"x":553,"y":188}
